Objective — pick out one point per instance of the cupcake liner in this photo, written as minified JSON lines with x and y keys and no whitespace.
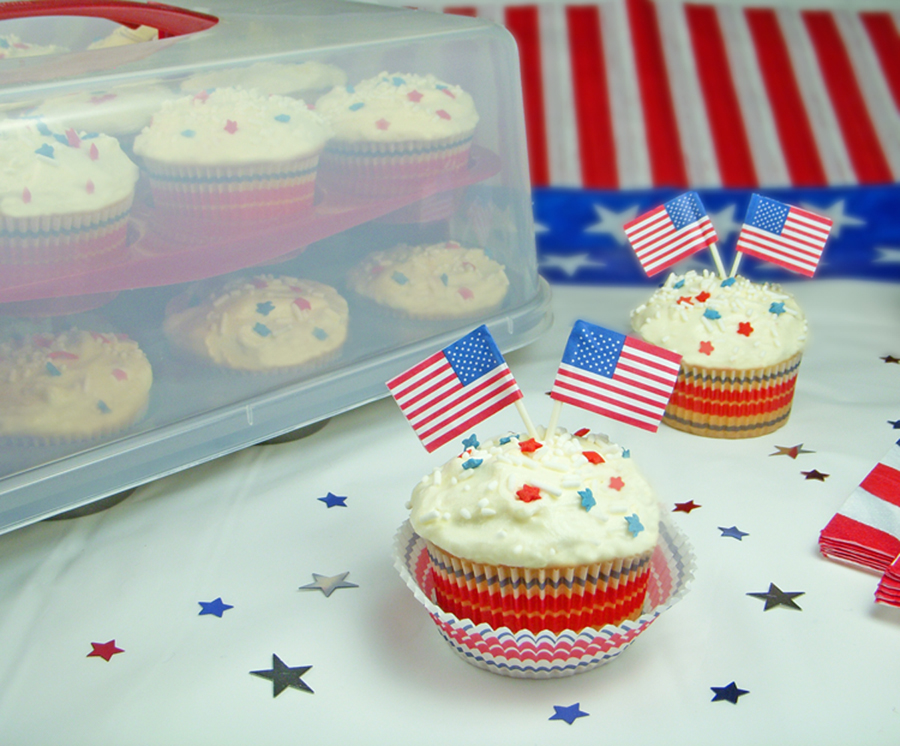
{"x":547,"y":654}
{"x":730,"y":403}
{"x":371,"y":169}
{"x":48,"y":239}
{"x":94,"y":437}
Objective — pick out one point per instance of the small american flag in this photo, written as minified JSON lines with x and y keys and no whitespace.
{"x":783,"y":234}
{"x":614,"y":375}
{"x":455,"y":388}
{"x":670,"y":233}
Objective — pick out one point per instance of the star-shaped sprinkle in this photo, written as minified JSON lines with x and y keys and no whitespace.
{"x":712,"y":314}
{"x":399,"y":278}
{"x":570,"y":714}
{"x":45,"y":150}
{"x":686,"y":299}
{"x":745,"y":328}
{"x":528,"y":494}
{"x":777,"y":597}
{"x":466,"y":293}
{"x":706,"y":348}
{"x":815,"y":474}
{"x":530,"y":445}
{"x":792,"y":451}
{"x":891,"y":359}
{"x":702,"y":297}
{"x":333,"y":501}
{"x":52,"y":369}
{"x":262,"y":330}
{"x":302,"y":304}
{"x":471,"y":442}
{"x":103,"y":406}
{"x":587,"y":498}
{"x":320,"y":333}
{"x":188,"y":133}
{"x":216,"y":608}
{"x":105,"y":650}
{"x":414,"y":96}
{"x":265,"y":308}
{"x":283,"y":676}
{"x":616,"y":483}
{"x":727,"y":282}
{"x":442,"y":114}
{"x":382,"y":124}
{"x":230,"y":126}
{"x":728,"y":693}
{"x":685,"y":507}
{"x":328,"y":584}
{"x":283,"y":118}
{"x":93,"y":153}
{"x":26,"y":195}
{"x":472,"y":463}
{"x":777,"y":308}
{"x":593,"y":457}
{"x":398,"y":81}
{"x":634,"y":524}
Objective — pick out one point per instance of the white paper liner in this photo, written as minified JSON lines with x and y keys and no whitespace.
{"x":547,"y":655}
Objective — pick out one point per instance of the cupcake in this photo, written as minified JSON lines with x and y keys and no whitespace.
{"x":395,"y":132}
{"x":71,"y":386}
{"x":64,"y":195}
{"x":261,"y":323}
{"x":12,"y":46}
{"x":440,"y":281}
{"x":552,"y":535}
{"x":123,"y":35}
{"x":741,"y":344}
{"x":232,"y":154}
{"x":307,"y":80}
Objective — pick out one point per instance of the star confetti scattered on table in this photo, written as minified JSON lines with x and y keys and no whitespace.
{"x":815,"y":474}
{"x":217,"y":607}
{"x":333,"y":501}
{"x":283,"y":676}
{"x":728,"y":693}
{"x":105,"y":650}
{"x":685,"y":507}
{"x":891,"y":359}
{"x":777,"y":597}
{"x":734,"y":532}
{"x":895,"y":424}
{"x":570,"y":714}
{"x":328,"y":584}
{"x":792,"y":451}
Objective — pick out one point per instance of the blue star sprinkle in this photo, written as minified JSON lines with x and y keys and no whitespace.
{"x":262,"y":330}
{"x":350,"y":89}
{"x":46,"y":150}
{"x":634,"y":524}
{"x":101,"y":405}
{"x":265,"y":308}
{"x":61,"y":139}
{"x":283,"y":118}
{"x":188,"y":133}
{"x":570,"y":714}
{"x":399,"y":278}
{"x":587,"y":498}
{"x":728,"y":693}
{"x":445,"y":279}
{"x":471,"y":442}
{"x":734,"y":532}
{"x":777,"y":308}
{"x":626,"y":453}
{"x":472,"y":463}
{"x":711,"y":313}
{"x":727,"y":282}
{"x":320,"y":333}
{"x":357,"y":106}
{"x":43,"y":129}
{"x":506,"y":438}
{"x":52,"y":369}
{"x":678,"y":285}
{"x":216,"y":608}
{"x":333,"y":501}
{"x":397,"y":81}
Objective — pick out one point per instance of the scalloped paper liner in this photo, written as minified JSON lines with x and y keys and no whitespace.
{"x":545,"y":655}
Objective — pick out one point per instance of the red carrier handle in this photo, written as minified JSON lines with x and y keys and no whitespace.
{"x":169,"y":20}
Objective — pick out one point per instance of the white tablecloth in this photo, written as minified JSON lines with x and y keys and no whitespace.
{"x":249,"y":529}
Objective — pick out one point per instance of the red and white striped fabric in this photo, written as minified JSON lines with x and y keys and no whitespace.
{"x":636,"y":94}
{"x":866,"y":530}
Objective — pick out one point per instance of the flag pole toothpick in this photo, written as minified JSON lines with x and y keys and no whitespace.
{"x":736,"y":264}
{"x":718,"y":260}
{"x":554,"y":419}
{"x":523,"y":413}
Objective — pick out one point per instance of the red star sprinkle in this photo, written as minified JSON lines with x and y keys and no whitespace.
{"x":448,"y":92}
{"x":686,"y":299}
{"x":302,"y":304}
{"x":258,"y":283}
{"x":593,"y":457}
{"x":62,"y":355}
{"x":466,"y":293}
{"x":26,"y":195}
{"x":38,"y":341}
{"x":230,"y":126}
{"x":706,"y":348}
{"x":745,"y":328}
{"x":529,"y":446}
{"x":414,"y":96}
{"x":382,"y":124}
{"x":89,"y":187}
{"x":73,"y":139}
{"x":528,"y":494}
{"x":119,"y":374}
{"x":686,"y":507}
{"x":101,"y":99}
{"x":452,"y":245}
{"x":442,"y":114}
{"x":105,"y":650}
{"x":702,"y":297}
{"x":93,"y":153}
{"x":581,"y":433}
{"x":201,"y":97}
{"x":616,"y":483}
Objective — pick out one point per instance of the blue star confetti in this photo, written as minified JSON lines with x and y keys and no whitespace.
{"x":216,"y":608}
{"x":334,"y":501}
{"x":570,"y":714}
{"x":734,"y":532}
{"x":728,"y":693}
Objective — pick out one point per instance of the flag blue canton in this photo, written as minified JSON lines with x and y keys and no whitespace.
{"x":473,"y":355}
{"x":767,"y":214}
{"x":594,"y":349}
{"x":685,"y":210}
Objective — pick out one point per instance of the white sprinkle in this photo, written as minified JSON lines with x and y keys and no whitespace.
{"x":431,"y":515}
{"x":618,"y":508}
{"x":511,"y":483}
{"x":547,"y":488}
{"x":666,"y":339}
{"x":517,"y":549}
{"x":467,"y":488}
{"x":501,"y":534}
{"x":446,"y":516}
{"x":483,"y":502}
{"x":488,"y":512}
{"x":409,"y":504}
{"x":438,"y":476}
{"x":493,"y":485}
{"x":556,"y":466}
{"x":454,"y":481}
{"x":571,"y":483}
{"x":465,"y":513}
{"x":706,"y":323}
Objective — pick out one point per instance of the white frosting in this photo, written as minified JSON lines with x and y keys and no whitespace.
{"x":442,"y":280}
{"x":75,"y":384}
{"x":261,"y":323}
{"x":740,"y":325}
{"x":271,"y":77}
{"x":232,"y":126}
{"x":12,"y":46}
{"x":124,"y":35}
{"x":394,"y":107}
{"x":48,"y":172}
{"x":475,"y":513}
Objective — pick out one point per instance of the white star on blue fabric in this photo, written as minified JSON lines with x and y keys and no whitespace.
{"x":839,"y":217}
{"x":570,"y":264}
{"x":887,"y":255}
{"x":610,"y":222}
{"x":724,"y":223}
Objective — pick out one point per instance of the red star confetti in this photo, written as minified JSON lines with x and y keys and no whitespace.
{"x":230,"y":126}
{"x":414,"y":96}
{"x":702,"y":297}
{"x":706,"y":348}
{"x":529,"y":446}
{"x":745,"y":328}
{"x":792,"y":451}
{"x":815,"y":474}
{"x":382,"y":124}
{"x":105,"y":650}
{"x":528,"y":494}
{"x":685,"y":507}
{"x":616,"y":483}
{"x":593,"y":457}
{"x":891,"y":359}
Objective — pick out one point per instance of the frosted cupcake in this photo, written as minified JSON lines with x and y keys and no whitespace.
{"x":261,"y":323}
{"x":71,"y":386}
{"x":548,"y":535}
{"x":439,"y":281}
{"x":12,"y":46}
{"x":307,"y":80}
{"x":64,"y":195}
{"x":394,"y":132}
{"x":232,"y":154}
{"x":741,"y":345}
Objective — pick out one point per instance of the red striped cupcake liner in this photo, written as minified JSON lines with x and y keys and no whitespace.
{"x":547,"y":654}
